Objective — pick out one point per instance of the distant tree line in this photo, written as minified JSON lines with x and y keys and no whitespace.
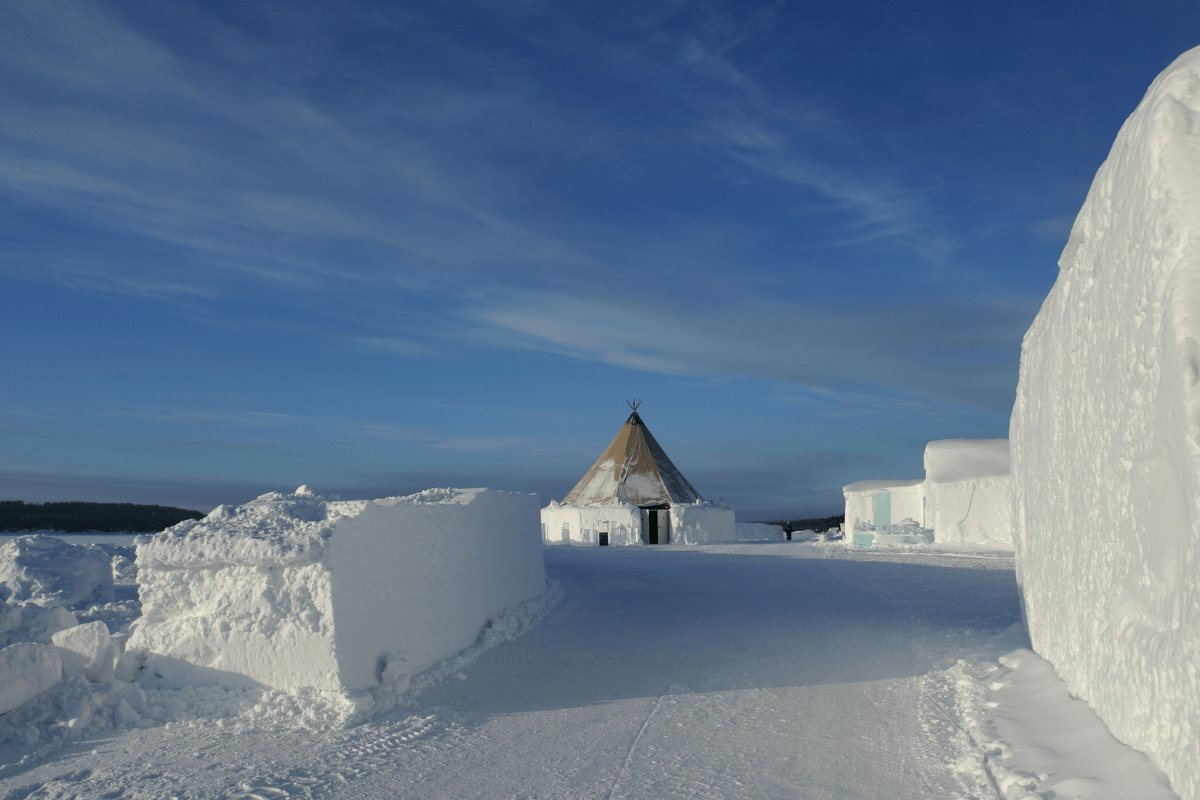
{"x":818,"y":524}
{"x":17,"y":515}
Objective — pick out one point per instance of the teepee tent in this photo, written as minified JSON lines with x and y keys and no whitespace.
{"x":634,"y":494}
{"x":633,"y":469}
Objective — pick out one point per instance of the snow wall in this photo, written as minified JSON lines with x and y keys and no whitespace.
{"x":967,"y":491}
{"x":693,"y":523}
{"x":1105,"y":440}
{"x":760,"y":532}
{"x":702,"y":524}
{"x":567,"y":524}
{"x":299,"y":591}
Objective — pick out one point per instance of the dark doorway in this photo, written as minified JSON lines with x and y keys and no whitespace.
{"x":658,"y":524}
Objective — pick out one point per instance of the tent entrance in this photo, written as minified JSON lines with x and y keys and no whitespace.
{"x":657,"y":524}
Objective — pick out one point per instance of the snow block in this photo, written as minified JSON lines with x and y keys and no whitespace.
{"x":299,"y":591}
{"x":1105,"y":440}
{"x":702,"y":524}
{"x":26,"y":670}
{"x":86,"y":650}
{"x":967,"y":491}
{"x":52,"y":573}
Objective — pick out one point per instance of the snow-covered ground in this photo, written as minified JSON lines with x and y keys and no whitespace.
{"x":789,"y":669}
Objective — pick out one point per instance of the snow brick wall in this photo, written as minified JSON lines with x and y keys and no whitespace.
{"x":300,"y":591}
{"x":1105,"y":439}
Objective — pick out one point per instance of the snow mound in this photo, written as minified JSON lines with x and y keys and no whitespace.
{"x":293,"y":591}
{"x":32,"y":623}
{"x":53,"y":574}
{"x":1106,"y":440}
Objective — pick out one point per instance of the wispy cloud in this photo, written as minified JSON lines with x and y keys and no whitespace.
{"x":962,"y":354}
{"x":204,"y":417}
{"x":421,"y":214}
{"x":247,"y":177}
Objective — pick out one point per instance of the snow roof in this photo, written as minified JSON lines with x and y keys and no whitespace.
{"x":633,"y":469}
{"x":876,"y":485}
{"x":949,"y":460}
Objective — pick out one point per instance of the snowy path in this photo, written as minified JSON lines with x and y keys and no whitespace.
{"x":742,"y":671}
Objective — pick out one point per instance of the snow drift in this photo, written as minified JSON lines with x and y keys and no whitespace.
{"x":1106,"y":439}
{"x":300,"y":591}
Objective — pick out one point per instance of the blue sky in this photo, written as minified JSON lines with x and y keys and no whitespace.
{"x":376,"y":247}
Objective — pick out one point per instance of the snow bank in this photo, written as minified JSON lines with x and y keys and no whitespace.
{"x":54,"y":574}
{"x":967,"y":490}
{"x":30,"y":622}
{"x":1106,"y":440}
{"x":300,"y":591}
{"x":41,"y":576}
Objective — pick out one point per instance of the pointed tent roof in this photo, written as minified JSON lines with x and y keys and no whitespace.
{"x":633,"y":469}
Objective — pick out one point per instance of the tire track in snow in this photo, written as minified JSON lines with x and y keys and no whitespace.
{"x":624,"y":769}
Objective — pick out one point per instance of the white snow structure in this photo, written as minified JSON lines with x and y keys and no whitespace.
{"x":295,"y":590}
{"x":964,"y":498}
{"x":885,"y":512}
{"x":1106,"y":440}
{"x":966,"y":491}
{"x":633,"y":494}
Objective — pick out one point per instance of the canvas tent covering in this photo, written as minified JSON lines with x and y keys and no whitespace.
{"x":634,"y":494}
{"x":633,"y":469}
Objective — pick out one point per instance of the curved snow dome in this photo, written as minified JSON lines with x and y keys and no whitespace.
{"x":1105,"y":439}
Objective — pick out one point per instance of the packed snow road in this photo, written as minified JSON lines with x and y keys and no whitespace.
{"x":727,"y":672}
{"x":741,"y":671}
